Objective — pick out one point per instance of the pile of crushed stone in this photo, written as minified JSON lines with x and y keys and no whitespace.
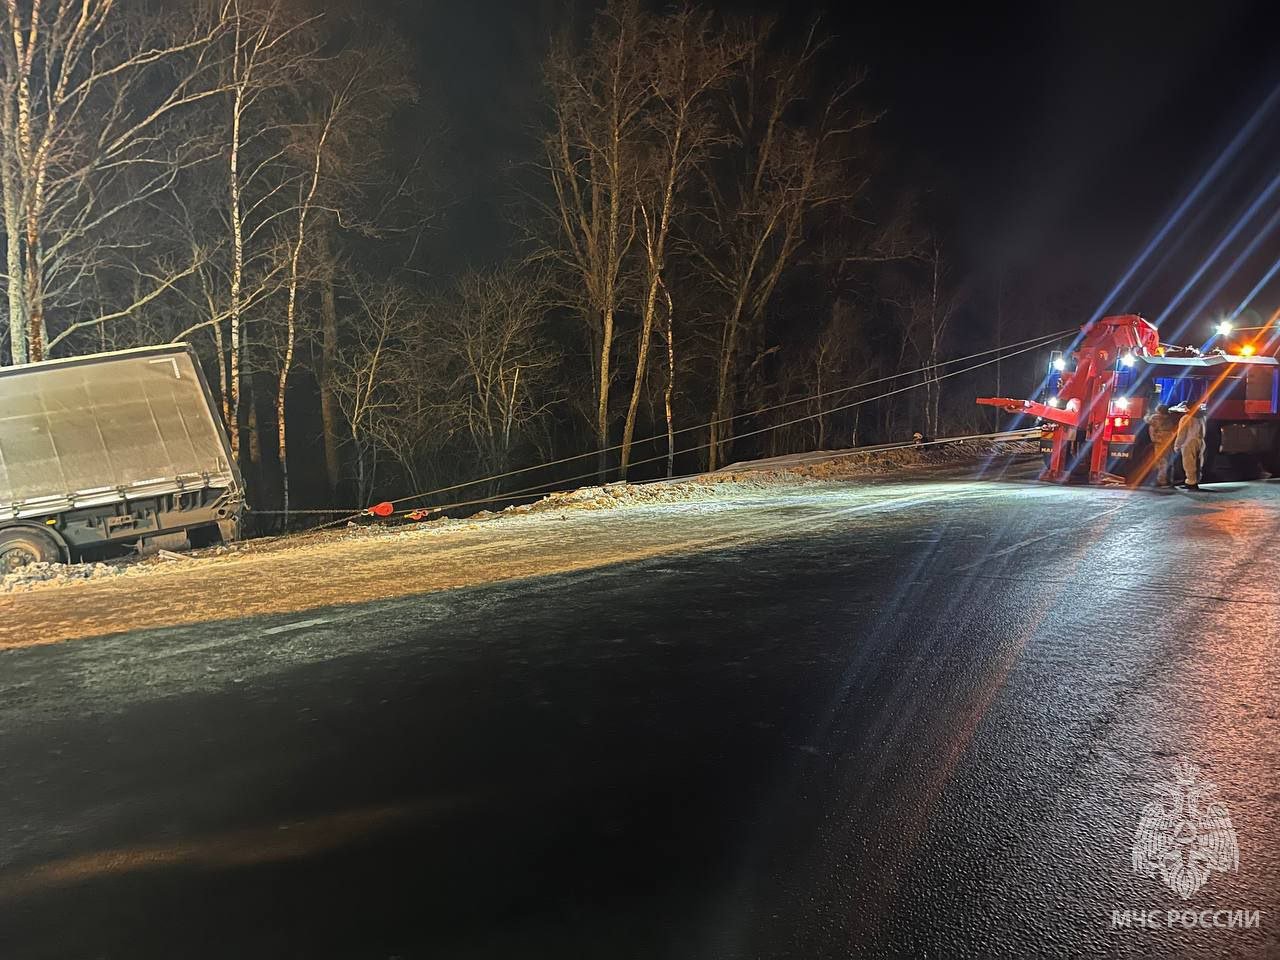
{"x":643,"y":494}
{"x":878,"y":462}
{"x":33,"y":574}
{"x":747,"y":479}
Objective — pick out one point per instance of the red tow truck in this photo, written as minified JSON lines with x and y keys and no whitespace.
{"x":1098,"y":395}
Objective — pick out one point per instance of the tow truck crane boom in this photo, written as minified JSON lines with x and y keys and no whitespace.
{"x":1087,"y":392}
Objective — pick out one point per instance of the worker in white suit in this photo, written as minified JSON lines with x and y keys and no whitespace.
{"x":1189,"y":441}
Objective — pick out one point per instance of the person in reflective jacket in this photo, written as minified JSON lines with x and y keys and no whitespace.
{"x":1162,"y":426}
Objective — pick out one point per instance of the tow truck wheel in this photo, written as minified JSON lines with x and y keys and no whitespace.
{"x":20,"y":546}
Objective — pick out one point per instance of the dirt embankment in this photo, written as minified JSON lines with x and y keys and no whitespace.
{"x":816,"y":466}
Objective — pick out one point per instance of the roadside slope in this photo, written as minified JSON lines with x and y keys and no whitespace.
{"x":576,"y":530}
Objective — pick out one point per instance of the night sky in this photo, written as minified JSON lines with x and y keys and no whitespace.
{"x":1051,"y":140}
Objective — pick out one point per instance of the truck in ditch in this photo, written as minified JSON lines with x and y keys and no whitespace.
{"x":114,"y":449}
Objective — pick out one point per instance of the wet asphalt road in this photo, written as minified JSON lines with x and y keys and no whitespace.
{"x":920,"y":724}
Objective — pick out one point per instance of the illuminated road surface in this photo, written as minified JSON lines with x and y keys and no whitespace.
{"x":888,"y":719}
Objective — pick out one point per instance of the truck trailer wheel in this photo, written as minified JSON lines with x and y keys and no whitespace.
{"x":20,"y":546}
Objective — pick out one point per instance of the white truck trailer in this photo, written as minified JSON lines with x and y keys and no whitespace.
{"x":121,"y":448}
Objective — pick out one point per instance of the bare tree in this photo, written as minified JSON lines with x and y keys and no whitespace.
{"x":86,"y":93}
{"x":779,"y":173}
{"x":359,"y":193}
{"x":597,"y":99}
{"x":371,"y":375}
{"x":348,"y":97}
{"x":265,"y":57}
{"x":499,"y":364}
{"x":928,"y":312}
{"x":689,"y":60}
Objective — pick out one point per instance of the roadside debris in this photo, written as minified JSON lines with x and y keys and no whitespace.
{"x":50,"y":573}
{"x":170,"y":555}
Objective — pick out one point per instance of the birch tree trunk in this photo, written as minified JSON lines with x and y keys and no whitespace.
{"x":14,"y":266}
{"x":282,"y":380}
{"x":610,"y":291}
{"x":670,"y":391}
{"x":291,"y":308}
{"x":722,"y":413}
{"x":237,"y":268}
{"x":656,"y":237}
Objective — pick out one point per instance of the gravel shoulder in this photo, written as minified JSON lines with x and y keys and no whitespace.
{"x":574,"y":530}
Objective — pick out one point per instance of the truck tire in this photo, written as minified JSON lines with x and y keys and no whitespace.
{"x":20,"y":546}
{"x":1271,"y":458}
{"x":1241,"y":466}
